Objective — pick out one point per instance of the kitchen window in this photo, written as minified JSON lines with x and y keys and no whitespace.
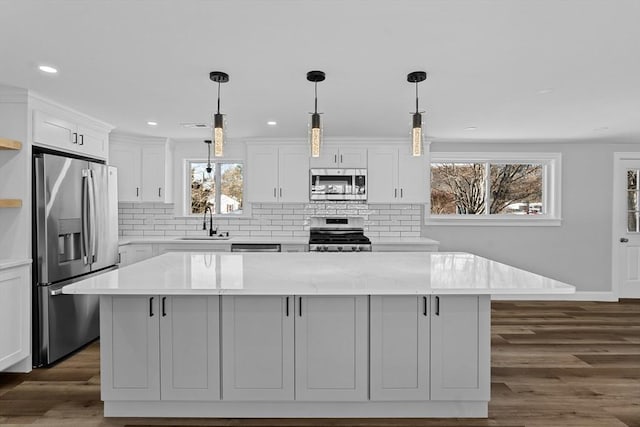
{"x":494,"y":189}
{"x":222,"y":189}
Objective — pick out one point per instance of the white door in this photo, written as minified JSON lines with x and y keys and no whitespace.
{"x":412,"y":180}
{"x":626,"y":225}
{"x":257,"y":347}
{"x":352,"y":157}
{"x":127,"y":160}
{"x":383,"y":175}
{"x":331,"y":348}
{"x":189,"y":348}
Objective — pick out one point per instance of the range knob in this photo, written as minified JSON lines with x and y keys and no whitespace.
{"x":354,"y":248}
{"x":340,"y":248}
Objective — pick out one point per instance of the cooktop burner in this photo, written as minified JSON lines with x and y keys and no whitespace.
{"x":338,"y":235}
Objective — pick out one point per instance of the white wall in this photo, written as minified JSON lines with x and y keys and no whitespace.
{"x":577,"y":252}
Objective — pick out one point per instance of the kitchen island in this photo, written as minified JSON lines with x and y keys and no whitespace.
{"x":301,"y":334}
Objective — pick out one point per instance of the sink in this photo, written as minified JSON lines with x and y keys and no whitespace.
{"x":204,"y":238}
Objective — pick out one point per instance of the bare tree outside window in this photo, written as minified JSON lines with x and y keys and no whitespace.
{"x":461,"y":188}
{"x":226,"y":199}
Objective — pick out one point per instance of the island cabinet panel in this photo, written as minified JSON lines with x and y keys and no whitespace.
{"x":331,"y":348}
{"x":189,"y":348}
{"x":129,"y":350}
{"x":257,"y":348}
{"x":399,"y":350}
{"x":460,"y":347}
{"x":159,"y":348}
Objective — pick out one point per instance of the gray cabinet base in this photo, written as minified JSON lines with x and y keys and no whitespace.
{"x":428,"y":409}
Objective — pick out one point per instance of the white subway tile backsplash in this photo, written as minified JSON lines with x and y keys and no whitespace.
{"x":270,"y":219}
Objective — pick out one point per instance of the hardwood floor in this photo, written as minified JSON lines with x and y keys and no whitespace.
{"x":553,"y":364}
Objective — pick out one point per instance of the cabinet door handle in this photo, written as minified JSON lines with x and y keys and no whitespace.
{"x":300,"y":306}
{"x":286,"y":306}
{"x":340,"y":158}
{"x":75,"y":138}
{"x":81,"y":140}
{"x":164,"y":306}
{"x":437,"y":306}
{"x":280,"y":191}
{"x":424,"y":309}
{"x":151,"y":307}
{"x":395,"y":193}
{"x":119,"y":258}
{"x":401,"y":195}
{"x":137,"y":191}
{"x":159,"y":191}
{"x":274,"y":192}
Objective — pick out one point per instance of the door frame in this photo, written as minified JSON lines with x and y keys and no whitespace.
{"x":617,"y":202}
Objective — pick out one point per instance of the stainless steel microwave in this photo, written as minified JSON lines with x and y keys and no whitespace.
{"x":338,"y":184}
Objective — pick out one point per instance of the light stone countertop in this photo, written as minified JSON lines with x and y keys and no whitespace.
{"x":10,"y":263}
{"x":311,"y":273}
{"x":284,"y":240}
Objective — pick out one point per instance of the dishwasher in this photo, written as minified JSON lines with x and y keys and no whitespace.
{"x":255,"y":247}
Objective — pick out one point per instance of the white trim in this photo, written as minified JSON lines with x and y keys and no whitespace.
{"x":578,"y":296}
{"x":552,"y":182}
{"x":297,"y":409}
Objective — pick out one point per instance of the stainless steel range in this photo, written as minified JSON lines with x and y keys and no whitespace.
{"x":331,"y":234}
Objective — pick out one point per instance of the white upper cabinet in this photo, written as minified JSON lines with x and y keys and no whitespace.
{"x":278,"y":174}
{"x":395,"y":176}
{"x":67,"y":132}
{"x":340,"y":157}
{"x":142,"y":175}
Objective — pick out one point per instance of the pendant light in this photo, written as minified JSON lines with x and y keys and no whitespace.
{"x":315,"y":134}
{"x":208,"y":142}
{"x":218,"y":119}
{"x":416,"y":131}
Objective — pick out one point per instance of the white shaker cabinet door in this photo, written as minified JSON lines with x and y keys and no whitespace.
{"x":130,"y":348}
{"x":189,"y":348}
{"x":460,"y":347}
{"x":331,"y":348}
{"x":262,"y":174}
{"x":127,"y":159}
{"x":412,"y":177}
{"x":382,"y":175}
{"x":153,"y":167}
{"x":293,"y":174}
{"x":399,"y":347}
{"x":15,"y":315}
{"x":257,"y":348}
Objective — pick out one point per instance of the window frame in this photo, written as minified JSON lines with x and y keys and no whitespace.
{"x":186,"y":203}
{"x":551,"y":191}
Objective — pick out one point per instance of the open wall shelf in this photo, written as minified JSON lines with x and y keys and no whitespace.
{"x":10,"y":144}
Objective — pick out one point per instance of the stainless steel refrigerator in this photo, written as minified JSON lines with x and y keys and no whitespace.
{"x":75,"y":235}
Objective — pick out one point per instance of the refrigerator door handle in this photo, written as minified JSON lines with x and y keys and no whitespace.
{"x":92,"y":216}
{"x":85,"y":215}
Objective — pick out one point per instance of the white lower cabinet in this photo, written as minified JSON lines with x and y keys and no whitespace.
{"x":460,"y":347}
{"x":15,"y":315}
{"x":327,"y":336}
{"x":399,"y":350}
{"x":159,"y":348}
{"x":257,"y":348}
{"x":331,"y":348}
{"x":130,"y":254}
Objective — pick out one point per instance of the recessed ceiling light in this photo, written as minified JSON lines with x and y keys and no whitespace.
{"x":152,"y":123}
{"x":272,"y":123}
{"x":545,"y":91}
{"x":470,"y":128}
{"x":47,"y":69}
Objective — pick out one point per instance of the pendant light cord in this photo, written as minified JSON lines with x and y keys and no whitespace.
{"x":416,"y":97}
{"x":218,"y":97}
{"x":315,"y":108}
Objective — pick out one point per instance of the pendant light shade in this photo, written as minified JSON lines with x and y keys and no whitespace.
{"x":315,"y":132}
{"x":218,"y":119}
{"x":416,"y":128}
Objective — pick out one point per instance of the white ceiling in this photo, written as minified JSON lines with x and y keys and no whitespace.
{"x":514,"y":69}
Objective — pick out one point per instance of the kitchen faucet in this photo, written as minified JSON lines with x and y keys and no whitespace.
{"x":212,"y":232}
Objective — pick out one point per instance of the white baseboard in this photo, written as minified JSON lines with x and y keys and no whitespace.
{"x":578,"y":296}
{"x":23,"y":366}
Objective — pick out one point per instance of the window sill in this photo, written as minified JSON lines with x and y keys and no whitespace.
{"x":494,"y":222}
